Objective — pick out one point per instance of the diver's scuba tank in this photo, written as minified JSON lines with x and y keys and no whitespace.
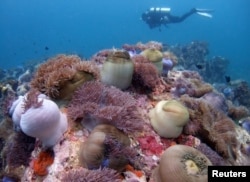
{"x":160,"y":10}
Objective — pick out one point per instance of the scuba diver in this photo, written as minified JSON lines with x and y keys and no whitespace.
{"x":155,"y":17}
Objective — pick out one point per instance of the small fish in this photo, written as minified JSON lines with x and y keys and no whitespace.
{"x":46,"y":48}
{"x":199,"y":66}
{"x":228,"y":79}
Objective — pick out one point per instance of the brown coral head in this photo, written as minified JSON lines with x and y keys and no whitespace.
{"x":95,"y":152}
{"x":182,"y":163}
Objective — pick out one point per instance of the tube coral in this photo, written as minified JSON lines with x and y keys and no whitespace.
{"x":60,"y":76}
{"x":117,"y":70}
{"x":85,"y":175}
{"x":168,"y":118}
{"x":96,"y":150}
{"x":182,"y":163}
{"x":95,"y":103}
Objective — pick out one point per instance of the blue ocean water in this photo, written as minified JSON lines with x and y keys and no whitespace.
{"x":33,"y":30}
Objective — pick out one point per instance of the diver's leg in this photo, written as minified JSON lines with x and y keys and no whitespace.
{"x":177,"y":19}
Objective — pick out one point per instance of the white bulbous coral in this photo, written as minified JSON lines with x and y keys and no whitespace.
{"x":43,"y":121}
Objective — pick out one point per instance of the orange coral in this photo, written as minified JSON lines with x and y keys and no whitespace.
{"x":44,"y":160}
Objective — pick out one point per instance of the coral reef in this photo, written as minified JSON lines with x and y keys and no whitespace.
{"x":85,"y":175}
{"x":95,"y":103}
{"x":108,"y":127}
{"x":117,"y":70}
{"x":168,"y":118}
{"x":59,"y":77}
{"x":172,"y":162}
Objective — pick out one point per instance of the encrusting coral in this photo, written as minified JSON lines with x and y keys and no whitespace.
{"x":182,"y":163}
{"x":168,"y":118}
{"x":95,"y":103}
{"x":59,"y":77}
{"x":40,"y":118}
{"x":117,"y":70}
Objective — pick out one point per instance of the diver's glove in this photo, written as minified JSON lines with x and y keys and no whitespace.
{"x":204,"y":12}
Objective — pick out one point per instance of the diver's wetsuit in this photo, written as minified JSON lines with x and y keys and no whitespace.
{"x":155,"y":17}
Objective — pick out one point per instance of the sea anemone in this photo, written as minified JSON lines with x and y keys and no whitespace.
{"x":60,"y":76}
{"x":18,"y":149}
{"x":154,"y":56}
{"x":182,"y":163}
{"x":95,"y":103}
{"x":146,"y":77}
{"x":211,"y":126}
{"x":117,"y":70}
{"x":85,"y":175}
{"x":189,"y":82}
{"x":39,"y":117}
{"x":213,"y":156}
{"x":168,"y":118}
{"x":97,"y":151}
{"x":216,"y":100}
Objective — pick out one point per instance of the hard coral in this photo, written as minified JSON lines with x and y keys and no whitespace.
{"x":168,"y":118}
{"x":85,"y":175}
{"x":117,"y":70}
{"x":60,"y":76}
{"x":172,"y":162}
{"x":95,"y":103}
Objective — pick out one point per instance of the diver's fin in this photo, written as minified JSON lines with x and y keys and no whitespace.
{"x":205,"y":14}
{"x":204,"y":10}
